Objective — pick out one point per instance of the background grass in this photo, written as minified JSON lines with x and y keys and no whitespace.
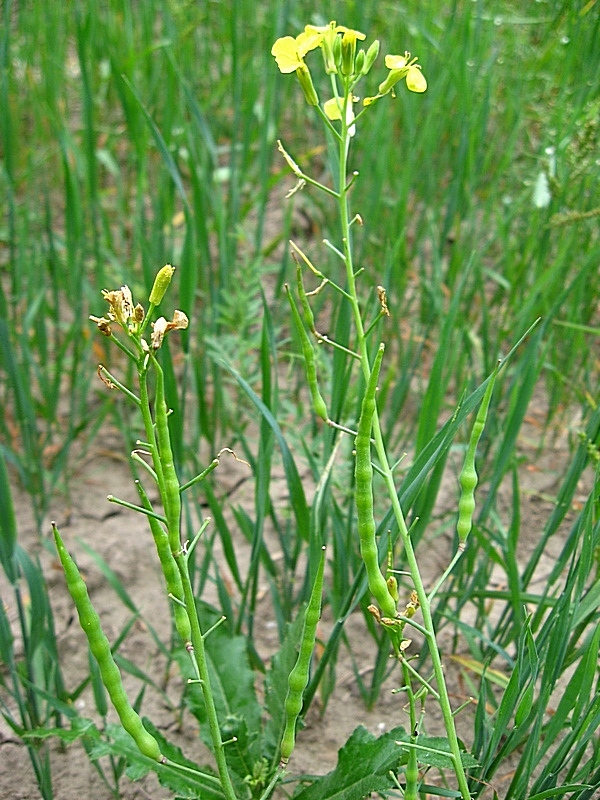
{"x":135,"y":134}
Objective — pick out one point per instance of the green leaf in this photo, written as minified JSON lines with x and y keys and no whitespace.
{"x":8,"y":525}
{"x":432,"y":751}
{"x":364,"y":763}
{"x":183,"y":776}
{"x":232,"y":685}
{"x":80,"y":727}
{"x":559,"y":791}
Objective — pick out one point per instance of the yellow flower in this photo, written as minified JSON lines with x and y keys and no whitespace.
{"x":327,"y":35}
{"x":403,"y":67}
{"x":289,"y":52}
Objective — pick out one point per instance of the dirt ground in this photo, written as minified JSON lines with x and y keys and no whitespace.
{"x":123,"y":540}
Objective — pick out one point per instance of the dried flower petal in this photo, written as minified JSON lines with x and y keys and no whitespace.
{"x":103,"y":325}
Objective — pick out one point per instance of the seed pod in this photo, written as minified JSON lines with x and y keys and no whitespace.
{"x":161,"y":284}
{"x":169,"y":569}
{"x":100,"y":648}
{"x":468,"y":476}
{"x":309,"y":361}
{"x":298,"y":678}
{"x":364,"y":496}
{"x":169,"y":488}
{"x":309,"y":318}
{"x":310,"y":93}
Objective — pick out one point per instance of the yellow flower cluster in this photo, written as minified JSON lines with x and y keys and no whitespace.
{"x":338,"y":46}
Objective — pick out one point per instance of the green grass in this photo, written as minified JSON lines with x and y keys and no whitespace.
{"x":132,"y":135}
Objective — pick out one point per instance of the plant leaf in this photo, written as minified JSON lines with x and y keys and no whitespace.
{"x":364,"y":763}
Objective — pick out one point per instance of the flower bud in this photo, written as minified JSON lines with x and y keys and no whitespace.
{"x":372,"y":54}
{"x":348,"y":52}
{"x":161,"y":284}
{"x":337,"y":53}
{"x":360,"y":61}
{"x":327,"y":50}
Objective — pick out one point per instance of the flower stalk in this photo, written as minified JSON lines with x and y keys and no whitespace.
{"x":166,"y":528}
{"x":346,"y":69}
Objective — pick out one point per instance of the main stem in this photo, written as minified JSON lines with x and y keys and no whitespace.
{"x":386,"y":470}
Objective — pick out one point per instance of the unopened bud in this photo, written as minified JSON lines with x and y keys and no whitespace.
{"x":348,"y":52}
{"x":337,"y":52}
{"x":360,"y":61}
{"x":161,"y":284}
{"x":327,"y":50}
{"x":372,"y":54}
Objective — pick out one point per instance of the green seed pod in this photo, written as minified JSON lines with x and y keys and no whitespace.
{"x":169,"y":488}
{"x":309,"y":361}
{"x":364,"y":496}
{"x":309,"y":318}
{"x":310,"y":93}
{"x":298,"y":678}
{"x":468,"y":476}
{"x":161,"y":284}
{"x":100,"y":648}
{"x":392,"y":585}
{"x":371,"y":56}
{"x":169,"y":569}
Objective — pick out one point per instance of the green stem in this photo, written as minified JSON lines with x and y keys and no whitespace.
{"x":203,"y":677}
{"x":386,"y":470}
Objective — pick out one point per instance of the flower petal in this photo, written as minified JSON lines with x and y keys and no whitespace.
{"x":357,"y":34}
{"x":397,"y":62}
{"x":332,"y":109}
{"x":306,"y":41}
{"x":286,"y":54}
{"x":415,"y":80}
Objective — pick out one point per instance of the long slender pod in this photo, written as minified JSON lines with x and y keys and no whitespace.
{"x":309,"y":360}
{"x":170,"y":571}
{"x":468,"y":477}
{"x":100,"y":647}
{"x":169,"y":488}
{"x":364,"y":496}
{"x":298,"y":678}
